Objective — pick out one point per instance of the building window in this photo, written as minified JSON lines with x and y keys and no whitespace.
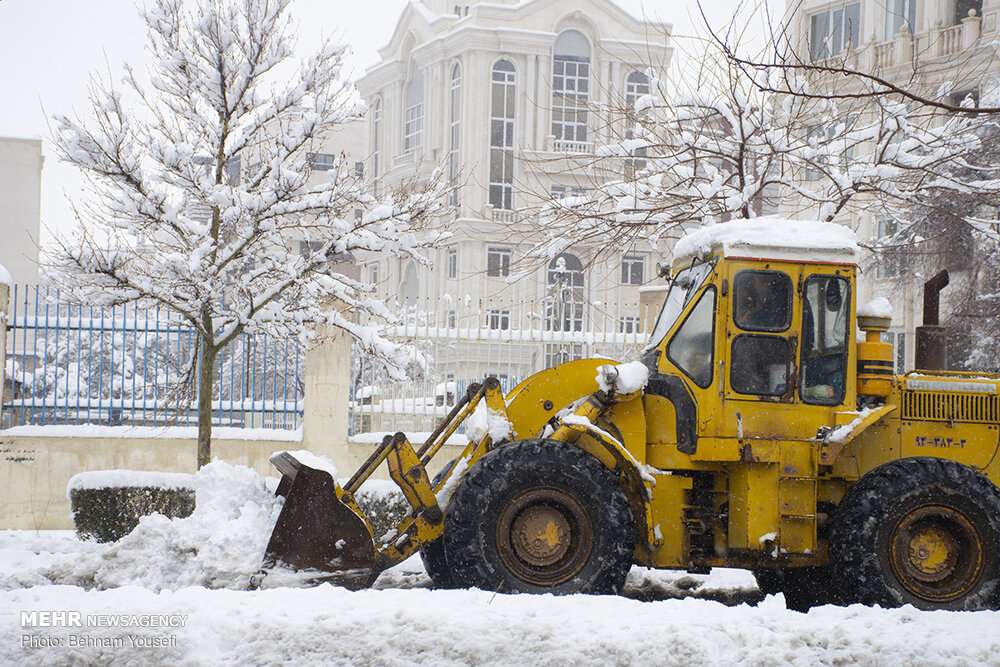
{"x":498,"y":320}
{"x":322,"y":161}
{"x":897,"y":14}
{"x":452,"y":263}
{"x":888,"y":260}
{"x":455,"y":136}
{"x":376,"y":139}
{"x":636,"y":87}
{"x":560,"y":353}
{"x":963,"y":7}
{"x":833,"y":30}
{"x":359,"y":170}
{"x":559,"y":191}
{"x":628,"y":325}
{"x":633,"y":270}
{"x":452,"y":319}
{"x":570,"y":87}
{"x":373,"y":274}
{"x":498,"y":262}
{"x":502,"y":136}
{"x":566,"y":294}
{"x":413,"y":114}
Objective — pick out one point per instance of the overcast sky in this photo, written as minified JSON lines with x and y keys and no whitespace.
{"x":49,"y":48}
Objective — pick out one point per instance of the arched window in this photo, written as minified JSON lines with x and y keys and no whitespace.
{"x":502,"y":135}
{"x":570,"y":87}
{"x":636,"y":86}
{"x":455,"y":136}
{"x":413,"y":111}
{"x":565,"y":294}
{"x":376,"y":139}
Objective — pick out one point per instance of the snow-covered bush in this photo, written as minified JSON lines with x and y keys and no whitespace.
{"x":108,"y":505}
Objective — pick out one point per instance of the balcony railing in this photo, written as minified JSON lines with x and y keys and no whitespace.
{"x":950,"y":40}
{"x":905,"y":47}
{"x":565,"y":146}
{"x":503,"y":215}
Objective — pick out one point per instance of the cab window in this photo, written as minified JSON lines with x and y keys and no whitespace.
{"x":760,"y":365}
{"x":691,"y":349}
{"x":762,"y":300}
{"x":825,"y":320}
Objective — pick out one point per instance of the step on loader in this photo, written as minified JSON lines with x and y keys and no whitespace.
{"x":758,"y":431}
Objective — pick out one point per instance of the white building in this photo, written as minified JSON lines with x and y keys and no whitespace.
{"x":502,"y":94}
{"x":21,"y":164}
{"x":949,"y":41}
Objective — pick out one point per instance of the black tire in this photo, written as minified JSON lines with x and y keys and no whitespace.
{"x":920,"y":531}
{"x":803,"y":587}
{"x":432,"y":554}
{"x":539,"y":517}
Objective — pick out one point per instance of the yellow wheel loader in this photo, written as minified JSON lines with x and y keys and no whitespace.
{"x":760,"y":430}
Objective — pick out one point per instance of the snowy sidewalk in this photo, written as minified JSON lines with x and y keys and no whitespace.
{"x":327,"y":625}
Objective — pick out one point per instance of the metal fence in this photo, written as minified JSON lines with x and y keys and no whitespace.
{"x":465,"y":342}
{"x":130,"y":365}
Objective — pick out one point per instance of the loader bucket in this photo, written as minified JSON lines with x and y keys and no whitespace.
{"x":318,"y":535}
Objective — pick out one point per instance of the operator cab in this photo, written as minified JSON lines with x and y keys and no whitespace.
{"x":760,"y":312}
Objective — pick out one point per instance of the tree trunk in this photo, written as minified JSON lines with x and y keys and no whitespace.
{"x":206,"y":372}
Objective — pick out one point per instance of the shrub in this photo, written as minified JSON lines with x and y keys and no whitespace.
{"x":107,"y":505}
{"x":384,"y":508}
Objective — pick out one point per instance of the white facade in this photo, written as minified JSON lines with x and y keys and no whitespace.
{"x":501,"y":94}
{"x":20,"y":206}
{"x":951,"y":42}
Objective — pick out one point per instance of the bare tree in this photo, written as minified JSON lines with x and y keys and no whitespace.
{"x":201,"y":193}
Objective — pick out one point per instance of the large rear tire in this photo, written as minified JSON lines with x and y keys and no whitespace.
{"x":539,"y":517}
{"x":920,"y":531}
{"x":803,"y":587}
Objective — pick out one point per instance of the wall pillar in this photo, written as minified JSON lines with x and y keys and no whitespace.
{"x":4,"y":305}
{"x":327,"y":378}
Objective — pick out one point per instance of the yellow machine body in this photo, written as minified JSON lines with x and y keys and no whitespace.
{"x":717,"y":475}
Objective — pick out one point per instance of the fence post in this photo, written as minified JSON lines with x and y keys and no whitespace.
{"x":4,"y":301}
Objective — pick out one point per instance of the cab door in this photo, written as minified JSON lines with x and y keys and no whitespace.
{"x":786,"y":350}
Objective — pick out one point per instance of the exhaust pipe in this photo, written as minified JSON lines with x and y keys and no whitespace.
{"x":932,"y":348}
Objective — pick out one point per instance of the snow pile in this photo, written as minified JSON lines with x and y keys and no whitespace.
{"x":118,"y":479}
{"x":879,"y":307}
{"x":450,"y":628}
{"x":219,"y":546}
{"x":484,"y":421}
{"x":5,"y":277}
{"x":775,"y":238}
{"x":623,"y":378}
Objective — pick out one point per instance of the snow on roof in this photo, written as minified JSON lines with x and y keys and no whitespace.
{"x":771,"y":238}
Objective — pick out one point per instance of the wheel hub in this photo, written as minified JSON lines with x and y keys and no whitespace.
{"x":540,"y":535}
{"x":936,"y":553}
{"x":544,"y":536}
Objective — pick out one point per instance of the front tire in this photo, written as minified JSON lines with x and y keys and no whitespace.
{"x":539,"y":517}
{"x":920,"y":531}
{"x":432,"y":554}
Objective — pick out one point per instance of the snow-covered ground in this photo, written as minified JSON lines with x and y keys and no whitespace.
{"x":157,"y":576}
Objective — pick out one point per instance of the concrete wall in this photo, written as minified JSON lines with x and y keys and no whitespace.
{"x":20,"y":206}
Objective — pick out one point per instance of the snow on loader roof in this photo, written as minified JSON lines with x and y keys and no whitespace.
{"x":770,"y":238}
